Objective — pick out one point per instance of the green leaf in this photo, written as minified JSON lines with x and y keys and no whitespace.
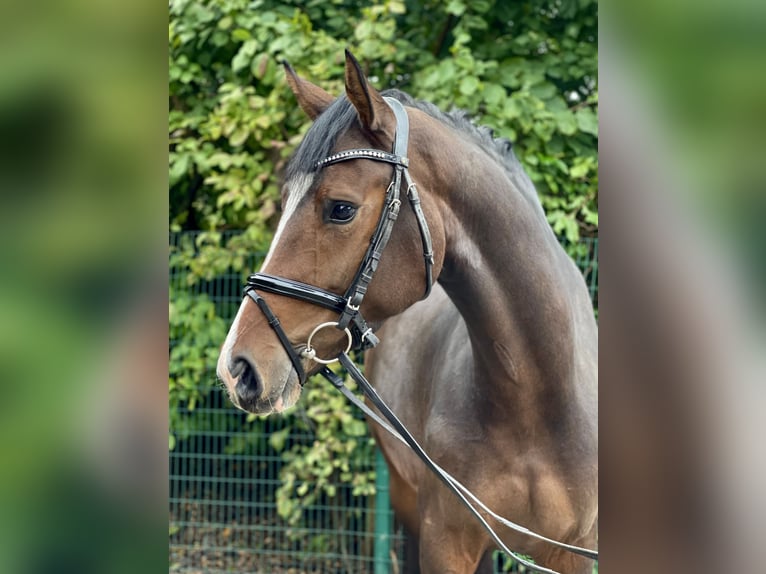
{"x":239,"y":136}
{"x":277,"y":438}
{"x":179,"y":167}
{"x":356,"y":428}
{"x":494,"y":94}
{"x":396,"y":7}
{"x":455,"y":7}
{"x":544,"y":91}
{"x":579,"y":170}
{"x":243,"y":57}
{"x":240,"y":35}
{"x":587,"y":121}
{"x":565,"y":122}
{"x":512,"y":108}
{"x":468,"y":85}
{"x":363,"y":30}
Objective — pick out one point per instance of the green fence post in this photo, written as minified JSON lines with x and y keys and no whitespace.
{"x":382,"y":516}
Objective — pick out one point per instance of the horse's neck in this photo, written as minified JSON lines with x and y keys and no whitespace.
{"x":505,"y":272}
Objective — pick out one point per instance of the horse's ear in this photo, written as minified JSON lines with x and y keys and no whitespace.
{"x":312,"y":99}
{"x":374,"y":113}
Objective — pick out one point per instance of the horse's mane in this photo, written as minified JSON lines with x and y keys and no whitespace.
{"x":340,"y":115}
{"x":461,"y":121}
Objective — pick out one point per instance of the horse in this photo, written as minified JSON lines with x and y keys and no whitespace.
{"x":495,"y":372}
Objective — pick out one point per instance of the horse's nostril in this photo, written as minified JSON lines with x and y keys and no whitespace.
{"x":237,"y":367}
{"x":249,"y":386}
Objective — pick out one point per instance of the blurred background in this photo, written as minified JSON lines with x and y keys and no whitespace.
{"x":84,"y":210}
{"x":83,"y":286}
{"x":682,"y":314}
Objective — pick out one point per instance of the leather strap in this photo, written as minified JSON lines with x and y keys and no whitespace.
{"x":363,"y":337}
{"x":425,"y":234}
{"x":277,"y":327}
{"x":358,"y":288}
{"x":296,"y":290}
{"x":373,"y":154}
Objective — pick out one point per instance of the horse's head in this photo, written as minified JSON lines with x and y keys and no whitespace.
{"x":329,"y":215}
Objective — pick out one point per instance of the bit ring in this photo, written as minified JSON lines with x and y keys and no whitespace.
{"x":310,"y":353}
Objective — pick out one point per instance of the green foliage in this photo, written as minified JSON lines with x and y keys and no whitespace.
{"x":526,"y":70}
{"x":340,"y":452}
{"x":196,"y":333}
{"x":198,"y":325}
{"x":207,"y":257}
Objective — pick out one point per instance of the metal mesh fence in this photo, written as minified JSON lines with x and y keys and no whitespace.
{"x":225,"y":472}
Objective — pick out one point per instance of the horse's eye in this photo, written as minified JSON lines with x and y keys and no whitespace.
{"x":341,"y":212}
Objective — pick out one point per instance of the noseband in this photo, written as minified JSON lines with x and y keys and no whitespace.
{"x":350,"y":319}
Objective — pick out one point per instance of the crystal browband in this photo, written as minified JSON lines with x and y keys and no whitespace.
{"x":373,"y":154}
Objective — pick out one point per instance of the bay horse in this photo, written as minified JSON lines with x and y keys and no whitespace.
{"x":495,"y":373}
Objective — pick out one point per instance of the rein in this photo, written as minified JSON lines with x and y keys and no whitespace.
{"x":360,"y":335}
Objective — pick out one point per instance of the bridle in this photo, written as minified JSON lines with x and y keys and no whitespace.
{"x":360,"y":335}
{"x":350,"y":320}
